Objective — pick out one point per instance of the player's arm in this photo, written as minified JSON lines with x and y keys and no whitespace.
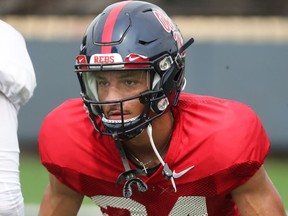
{"x":258,"y":196}
{"x":59,"y":200}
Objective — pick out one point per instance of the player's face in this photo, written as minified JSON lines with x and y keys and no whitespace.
{"x":120,"y":85}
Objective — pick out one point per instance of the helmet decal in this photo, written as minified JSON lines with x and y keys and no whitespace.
{"x":164,"y":20}
{"x":106,"y":58}
{"x":169,"y":26}
{"x":133,"y":57}
{"x":81,"y":59}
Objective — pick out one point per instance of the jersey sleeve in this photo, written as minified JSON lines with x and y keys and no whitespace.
{"x":17,"y":76}
{"x":224,"y":139}
{"x":72,"y":150}
{"x":59,"y":142}
{"x":62,"y":134}
{"x":242,"y":151}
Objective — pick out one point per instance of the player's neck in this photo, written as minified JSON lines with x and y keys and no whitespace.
{"x":139,"y":149}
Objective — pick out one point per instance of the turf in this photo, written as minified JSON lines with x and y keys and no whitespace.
{"x":34,"y":177}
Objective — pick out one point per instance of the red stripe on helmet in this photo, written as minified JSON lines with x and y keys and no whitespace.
{"x":109,"y":26}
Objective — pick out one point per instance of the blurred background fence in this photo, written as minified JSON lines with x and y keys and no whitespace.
{"x":173,"y":7}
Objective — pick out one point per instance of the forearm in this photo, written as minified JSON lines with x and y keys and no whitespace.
{"x":59,"y":204}
{"x":267,"y":206}
{"x":258,"y":197}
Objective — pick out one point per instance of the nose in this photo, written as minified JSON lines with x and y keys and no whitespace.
{"x":112,"y":93}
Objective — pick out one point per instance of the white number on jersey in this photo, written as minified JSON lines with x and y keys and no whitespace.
{"x":186,"y":205}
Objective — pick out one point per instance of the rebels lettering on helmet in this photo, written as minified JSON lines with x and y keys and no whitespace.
{"x":165,"y":21}
{"x":105,"y":58}
{"x":178,"y":38}
{"x":169,"y":26}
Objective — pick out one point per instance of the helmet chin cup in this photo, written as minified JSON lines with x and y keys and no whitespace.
{"x":125,"y":130}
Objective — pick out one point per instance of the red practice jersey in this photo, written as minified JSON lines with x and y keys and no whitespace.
{"x":224,"y":140}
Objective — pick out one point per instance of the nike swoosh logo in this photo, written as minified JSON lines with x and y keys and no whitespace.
{"x":133,"y":58}
{"x":178,"y":175}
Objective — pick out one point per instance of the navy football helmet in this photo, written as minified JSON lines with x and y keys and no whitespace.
{"x":132,"y":36}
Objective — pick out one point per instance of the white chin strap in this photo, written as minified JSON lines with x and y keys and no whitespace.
{"x":166,"y":170}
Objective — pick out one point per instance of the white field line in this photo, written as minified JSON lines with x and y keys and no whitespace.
{"x":85,"y":210}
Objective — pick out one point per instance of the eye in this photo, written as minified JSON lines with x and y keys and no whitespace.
{"x":130,"y":82}
{"x":102,"y":83}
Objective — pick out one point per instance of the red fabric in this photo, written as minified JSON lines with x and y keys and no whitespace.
{"x":223,"y":139}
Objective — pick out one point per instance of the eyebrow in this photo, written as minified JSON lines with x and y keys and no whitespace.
{"x":119,"y":75}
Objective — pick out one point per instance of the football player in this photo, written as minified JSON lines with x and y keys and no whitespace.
{"x":139,"y":146}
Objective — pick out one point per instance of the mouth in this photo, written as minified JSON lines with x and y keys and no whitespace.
{"x":115,"y":119}
{"x":117,"y":115}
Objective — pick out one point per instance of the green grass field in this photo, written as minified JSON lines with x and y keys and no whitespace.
{"x":34,"y":177}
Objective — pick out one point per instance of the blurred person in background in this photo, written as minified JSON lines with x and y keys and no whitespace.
{"x":139,"y":146}
{"x":17,"y":83}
